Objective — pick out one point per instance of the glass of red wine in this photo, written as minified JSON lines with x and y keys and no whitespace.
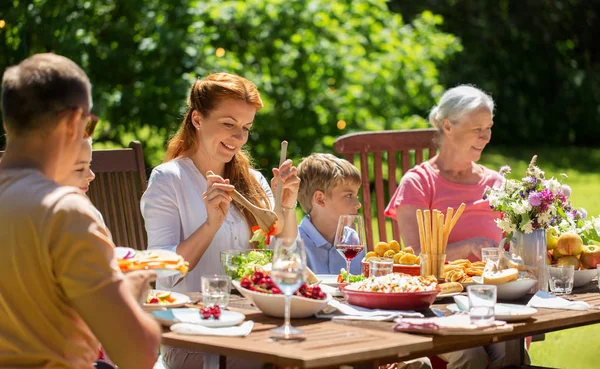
{"x":350,"y":239}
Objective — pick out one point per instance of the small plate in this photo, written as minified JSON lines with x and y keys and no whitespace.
{"x":189,"y":315}
{"x":328,"y":279}
{"x":180,"y":300}
{"x":506,"y":312}
{"x":440,"y":296}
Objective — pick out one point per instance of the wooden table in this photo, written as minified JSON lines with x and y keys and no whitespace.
{"x":333,"y":343}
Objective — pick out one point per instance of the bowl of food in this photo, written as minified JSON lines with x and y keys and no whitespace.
{"x":264,"y":294}
{"x":508,"y":286}
{"x":583,"y":276}
{"x":238,"y":263}
{"x":392,"y":292}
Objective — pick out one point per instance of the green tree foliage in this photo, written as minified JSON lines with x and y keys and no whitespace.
{"x":540,"y":59}
{"x":315,"y":63}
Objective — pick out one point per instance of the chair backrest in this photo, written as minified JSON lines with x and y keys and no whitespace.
{"x":400,"y":150}
{"x":117,"y":190}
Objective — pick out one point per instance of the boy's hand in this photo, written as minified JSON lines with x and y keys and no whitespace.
{"x":291,"y":183}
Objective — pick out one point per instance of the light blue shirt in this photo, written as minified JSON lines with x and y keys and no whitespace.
{"x":321,"y":256}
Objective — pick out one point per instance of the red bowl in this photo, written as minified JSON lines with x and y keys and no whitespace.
{"x":397,"y":268}
{"x":391,"y":301}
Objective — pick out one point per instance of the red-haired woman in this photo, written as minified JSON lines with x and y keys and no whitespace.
{"x":190,"y":212}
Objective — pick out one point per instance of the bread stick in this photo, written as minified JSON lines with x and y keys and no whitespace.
{"x":449,"y":214}
{"x":421,"y":230}
{"x":459,"y":212}
{"x":441,"y":233}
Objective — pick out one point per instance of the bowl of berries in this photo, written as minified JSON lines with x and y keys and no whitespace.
{"x":266,"y":296}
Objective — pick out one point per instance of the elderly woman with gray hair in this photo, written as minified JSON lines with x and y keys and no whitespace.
{"x":464,"y":120}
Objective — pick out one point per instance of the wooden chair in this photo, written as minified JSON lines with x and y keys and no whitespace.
{"x":387,"y":155}
{"x":117,"y":190}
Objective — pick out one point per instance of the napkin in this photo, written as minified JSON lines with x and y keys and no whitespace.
{"x":449,"y":325}
{"x":351,"y":312}
{"x":543,"y":299}
{"x":195,"y":329}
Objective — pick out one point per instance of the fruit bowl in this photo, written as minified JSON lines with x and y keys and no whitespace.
{"x":583,"y":277}
{"x":414,"y":270}
{"x":512,"y":290}
{"x":274,"y":305}
{"x":234,"y":261}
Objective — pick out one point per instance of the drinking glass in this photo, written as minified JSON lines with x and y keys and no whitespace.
{"x":482,"y":300}
{"x":598,"y":267}
{"x":380,"y":266}
{"x":433,"y":264}
{"x":561,"y":279}
{"x":215,"y":290}
{"x":492,"y":253}
{"x":288,"y":272}
{"x":350,"y":238}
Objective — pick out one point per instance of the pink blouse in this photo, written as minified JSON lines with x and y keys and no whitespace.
{"x":424,"y":188}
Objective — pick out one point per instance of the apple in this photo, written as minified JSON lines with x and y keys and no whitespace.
{"x":548,"y":257}
{"x":551,"y":238}
{"x":590,"y":257}
{"x":569,"y":244}
{"x":569,"y":260}
{"x":556,"y":254}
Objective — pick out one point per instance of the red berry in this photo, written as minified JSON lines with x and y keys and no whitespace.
{"x":258,"y":274}
{"x":263,"y":281}
{"x":154,"y":300}
{"x":217,"y":314}
{"x":205,"y":313}
{"x":316,"y":289}
{"x":303,"y":288}
{"x":245,"y":282}
{"x":275,"y":291}
{"x":322,"y":295}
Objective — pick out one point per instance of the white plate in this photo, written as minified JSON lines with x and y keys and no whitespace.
{"x":506,"y":312}
{"x":122,"y":252}
{"x":189,"y":315}
{"x":328,"y":279}
{"x":583,"y":277}
{"x":512,"y":290}
{"x":440,"y":296}
{"x":180,"y":300}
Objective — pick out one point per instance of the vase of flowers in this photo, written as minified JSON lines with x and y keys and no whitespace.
{"x":529,"y":206}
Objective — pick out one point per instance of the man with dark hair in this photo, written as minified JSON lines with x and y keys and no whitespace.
{"x":60,"y":288}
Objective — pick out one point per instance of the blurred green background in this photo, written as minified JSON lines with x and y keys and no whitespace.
{"x":326,"y":68}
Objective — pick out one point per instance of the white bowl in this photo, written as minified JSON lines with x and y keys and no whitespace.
{"x":274,"y":305}
{"x":583,"y":277}
{"x":512,"y":290}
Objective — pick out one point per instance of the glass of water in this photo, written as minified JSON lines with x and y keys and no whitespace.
{"x":492,"y":253}
{"x":561,"y":279}
{"x":482,"y":300}
{"x":288,"y":272}
{"x":215,"y":290}
{"x":380,"y":266}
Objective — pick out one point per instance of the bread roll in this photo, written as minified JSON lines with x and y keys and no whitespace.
{"x":450,"y":287}
{"x":501,"y":276}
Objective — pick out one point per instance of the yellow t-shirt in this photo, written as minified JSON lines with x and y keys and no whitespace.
{"x":53,"y":249}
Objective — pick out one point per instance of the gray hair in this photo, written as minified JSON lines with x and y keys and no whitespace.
{"x":458,"y":102}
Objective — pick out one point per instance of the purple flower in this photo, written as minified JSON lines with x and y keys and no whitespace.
{"x":583,"y":213}
{"x":504,"y":170}
{"x":530,"y":180}
{"x":547,"y":195}
{"x":566,"y":190}
{"x":535,"y":198}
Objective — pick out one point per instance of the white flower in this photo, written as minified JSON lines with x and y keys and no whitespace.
{"x":494,"y":200}
{"x":596,"y":222}
{"x":551,"y":210}
{"x":528,"y":227}
{"x":587,"y":226}
{"x":511,"y":186}
{"x":544,"y":218}
{"x":537,"y":172}
{"x":553,"y":185}
{"x":521,"y":207}
{"x":505,"y":225}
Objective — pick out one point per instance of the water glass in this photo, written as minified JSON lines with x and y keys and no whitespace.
{"x":561,"y":279}
{"x":482,"y":300}
{"x":215,"y":290}
{"x":490,"y":253}
{"x":598,"y":267}
{"x":380,"y":266}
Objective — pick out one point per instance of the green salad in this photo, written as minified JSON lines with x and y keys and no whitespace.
{"x":353,"y":278}
{"x":244,"y":263}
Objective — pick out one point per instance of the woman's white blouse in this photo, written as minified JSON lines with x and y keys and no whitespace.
{"x":173,"y":209}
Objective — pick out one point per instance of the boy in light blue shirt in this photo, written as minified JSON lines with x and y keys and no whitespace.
{"x":328,"y":189}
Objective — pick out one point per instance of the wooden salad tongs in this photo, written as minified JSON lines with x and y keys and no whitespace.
{"x":265,"y":218}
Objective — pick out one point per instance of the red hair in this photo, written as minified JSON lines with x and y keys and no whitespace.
{"x":205,"y":95}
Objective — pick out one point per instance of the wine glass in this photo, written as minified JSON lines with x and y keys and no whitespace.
{"x":288,"y":272}
{"x":350,"y":238}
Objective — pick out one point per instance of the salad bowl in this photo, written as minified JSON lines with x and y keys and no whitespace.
{"x":274,"y":305}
